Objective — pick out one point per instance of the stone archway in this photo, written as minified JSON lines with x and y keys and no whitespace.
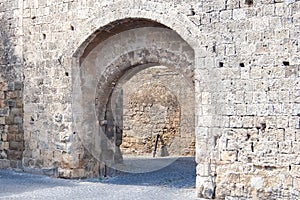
{"x":130,"y":63}
{"x":110,"y":53}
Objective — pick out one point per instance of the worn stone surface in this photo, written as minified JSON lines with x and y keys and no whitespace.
{"x":11,"y":85}
{"x":157,"y":100}
{"x":241,"y":56}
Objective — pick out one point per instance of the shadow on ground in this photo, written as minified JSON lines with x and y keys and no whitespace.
{"x":15,"y":182}
{"x":167,"y":172}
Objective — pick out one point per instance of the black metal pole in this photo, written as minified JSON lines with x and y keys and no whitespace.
{"x":156,"y":143}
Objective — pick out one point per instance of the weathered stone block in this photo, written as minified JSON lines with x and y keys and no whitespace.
{"x":229,"y":156}
{"x":4,"y":163}
{"x":4,"y":112}
{"x":16,"y":146}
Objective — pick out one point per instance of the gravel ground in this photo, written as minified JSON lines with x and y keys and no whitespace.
{"x":176,"y":181}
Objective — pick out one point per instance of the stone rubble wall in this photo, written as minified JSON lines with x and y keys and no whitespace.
{"x":11,"y":85}
{"x":157,"y":100}
{"x":249,"y":118}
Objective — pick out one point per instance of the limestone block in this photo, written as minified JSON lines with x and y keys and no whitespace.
{"x":205,"y":187}
{"x":296,"y":110}
{"x":4,"y":137}
{"x":78,"y":173}
{"x":290,"y":134}
{"x":262,"y":24}
{"x":269,"y":9}
{"x":294,"y":122}
{"x":295,"y":96}
{"x":245,"y":73}
{"x":206,"y":98}
{"x":226,"y":15}
{"x":255,"y":73}
{"x":291,"y":71}
{"x":229,"y":156}
{"x":5,"y":145}
{"x":230,"y":50}
{"x":15,"y":145}
{"x":296,"y":182}
{"x":235,"y":122}
{"x":4,"y":112}
{"x":4,"y":163}
{"x":282,"y":33}
{"x":231,"y":4}
{"x":3,"y":155}
{"x":234,"y":73}
{"x":204,"y":121}
{"x":239,"y":14}
{"x":241,"y":109}
{"x":208,"y":110}
{"x":203,"y":169}
{"x":285,"y":147}
{"x":295,"y":171}
{"x":257,"y":182}
{"x":266,"y":161}
{"x":64,"y":172}
{"x":248,"y":122}
{"x":287,"y":159}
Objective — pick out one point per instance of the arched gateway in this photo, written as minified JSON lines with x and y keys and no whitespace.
{"x":120,"y":48}
{"x":64,"y":62}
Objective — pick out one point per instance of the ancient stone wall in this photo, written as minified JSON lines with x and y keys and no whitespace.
{"x":249,"y":103}
{"x":246,"y":61}
{"x":158,"y":100}
{"x":11,"y":85}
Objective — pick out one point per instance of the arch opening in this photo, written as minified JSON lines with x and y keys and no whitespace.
{"x":115,"y":53}
{"x":157,"y":112}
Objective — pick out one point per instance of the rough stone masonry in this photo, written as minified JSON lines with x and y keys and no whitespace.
{"x":62,"y":60}
{"x":157,"y":101}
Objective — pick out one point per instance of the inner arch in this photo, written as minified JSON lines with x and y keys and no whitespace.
{"x":103,"y":60}
{"x":114,"y":28}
